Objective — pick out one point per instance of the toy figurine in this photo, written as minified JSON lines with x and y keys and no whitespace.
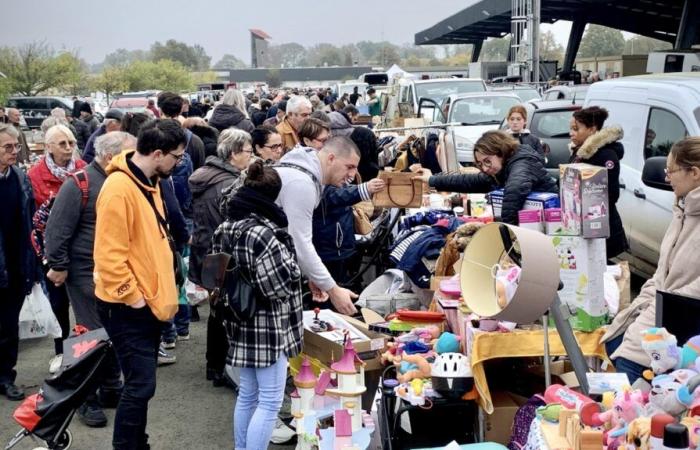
{"x":319,"y":325}
{"x":421,"y":370}
{"x":665,"y":355}
{"x":627,"y":406}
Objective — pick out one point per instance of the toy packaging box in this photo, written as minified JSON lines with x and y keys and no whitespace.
{"x":552,"y":221}
{"x":584,"y":201}
{"x":582,"y":267}
{"x":536,"y":200}
{"x":531,"y":219}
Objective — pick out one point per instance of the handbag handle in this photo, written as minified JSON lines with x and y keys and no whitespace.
{"x":401,"y":205}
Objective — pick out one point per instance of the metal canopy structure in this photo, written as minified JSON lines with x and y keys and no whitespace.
{"x":675,"y":21}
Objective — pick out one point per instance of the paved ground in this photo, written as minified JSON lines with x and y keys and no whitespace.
{"x":186,"y":413}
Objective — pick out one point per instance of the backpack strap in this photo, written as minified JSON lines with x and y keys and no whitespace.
{"x":304,"y":170}
{"x":81,"y":179}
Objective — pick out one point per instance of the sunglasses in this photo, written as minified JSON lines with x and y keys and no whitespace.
{"x":64,"y":144}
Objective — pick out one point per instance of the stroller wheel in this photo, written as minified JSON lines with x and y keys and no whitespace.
{"x":64,"y":441}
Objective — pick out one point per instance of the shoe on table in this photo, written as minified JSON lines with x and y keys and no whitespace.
{"x":168,"y":345}
{"x":92,"y":416}
{"x":183,"y":337}
{"x":281,"y":434}
{"x":55,"y":364}
{"x":165,"y":358}
{"x":11,"y":391}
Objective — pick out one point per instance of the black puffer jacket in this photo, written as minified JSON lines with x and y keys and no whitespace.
{"x":522,"y":174}
{"x":226,"y":116}
{"x":526,"y":138}
{"x":210,"y":138}
{"x":603,"y":149}
{"x":206,"y":185}
{"x":366,"y":142}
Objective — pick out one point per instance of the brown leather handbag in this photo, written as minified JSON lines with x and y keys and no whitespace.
{"x":402,"y":191}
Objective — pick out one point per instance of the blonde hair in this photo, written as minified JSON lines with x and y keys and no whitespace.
{"x":56,"y":129}
{"x":686,"y":152}
{"x":234,"y":97}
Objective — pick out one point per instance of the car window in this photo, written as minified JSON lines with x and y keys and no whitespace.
{"x":53,"y":103}
{"x":482,"y":110}
{"x":551,"y":123}
{"x":31,"y":103}
{"x":664,"y":129}
{"x":439,"y":90}
{"x":552,"y":95}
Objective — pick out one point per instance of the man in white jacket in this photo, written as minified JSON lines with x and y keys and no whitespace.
{"x":304,"y":172}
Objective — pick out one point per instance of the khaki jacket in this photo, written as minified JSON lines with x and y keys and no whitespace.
{"x":289,"y":136}
{"x":678,"y":272}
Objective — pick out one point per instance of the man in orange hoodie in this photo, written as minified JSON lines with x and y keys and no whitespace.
{"x":134,"y":271}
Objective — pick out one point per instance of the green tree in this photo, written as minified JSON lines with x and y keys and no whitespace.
{"x":325,"y":54}
{"x":642,"y":45}
{"x":110,"y":81}
{"x":601,"y":41}
{"x":229,"y":62}
{"x":192,"y":57}
{"x":496,"y":49}
{"x":550,"y":49}
{"x":389,"y":55}
{"x":5,"y":90}
{"x":171,"y":76}
{"x":122,"y":57}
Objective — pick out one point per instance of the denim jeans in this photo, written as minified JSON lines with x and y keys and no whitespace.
{"x":624,"y":365}
{"x":259,"y":400}
{"x":135,"y":334}
{"x":179,"y":325}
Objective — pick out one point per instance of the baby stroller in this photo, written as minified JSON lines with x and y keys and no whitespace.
{"x":47,"y":414}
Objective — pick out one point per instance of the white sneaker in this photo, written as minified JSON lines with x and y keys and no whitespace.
{"x":55,"y":364}
{"x":282,"y":433}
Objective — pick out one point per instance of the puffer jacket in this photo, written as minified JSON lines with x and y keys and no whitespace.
{"x":677,"y":272}
{"x":206,"y":185}
{"x":522,"y":174}
{"x":340,"y":125}
{"x":526,"y":138}
{"x":226,"y":116}
{"x":603,"y":149}
{"x":209,"y":137}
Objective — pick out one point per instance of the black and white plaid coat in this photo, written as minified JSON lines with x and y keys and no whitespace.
{"x":265,"y":253}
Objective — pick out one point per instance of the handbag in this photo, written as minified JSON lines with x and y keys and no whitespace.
{"x":363,"y":225}
{"x":402,"y":191}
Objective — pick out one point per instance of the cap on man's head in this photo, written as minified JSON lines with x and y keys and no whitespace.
{"x":85,"y":107}
{"x":114,"y":114}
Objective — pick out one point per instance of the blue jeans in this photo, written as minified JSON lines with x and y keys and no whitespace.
{"x":624,"y":365}
{"x":180,"y":324}
{"x":259,"y":400}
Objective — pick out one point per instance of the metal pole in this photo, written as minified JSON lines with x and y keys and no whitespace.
{"x":420,"y":127}
{"x":534,"y":32}
{"x":547,"y":359}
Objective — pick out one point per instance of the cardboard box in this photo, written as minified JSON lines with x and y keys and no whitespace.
{"x":498,"y":426}
{"x":552,"y":222}
{"x":531,"y":219}
{"x":536,"y":200}
{"x":584,"y":201}
{"x":582,"y":267}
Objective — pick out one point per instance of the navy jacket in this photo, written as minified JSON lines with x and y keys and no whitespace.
{"x":176,"y":220}
{"x":89,"y":150}
{"x":28,"y":262}
{"x":334,"y":223}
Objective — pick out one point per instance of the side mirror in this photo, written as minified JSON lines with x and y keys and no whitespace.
{"x":654,"y":174}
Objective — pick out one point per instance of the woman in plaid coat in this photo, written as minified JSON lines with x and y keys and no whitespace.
{"x":254,"y":235}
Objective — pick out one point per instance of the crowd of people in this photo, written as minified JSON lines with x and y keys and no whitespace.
{"x":106,"y":217}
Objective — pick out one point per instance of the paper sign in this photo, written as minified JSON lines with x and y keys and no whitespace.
{"x":600,"y":383}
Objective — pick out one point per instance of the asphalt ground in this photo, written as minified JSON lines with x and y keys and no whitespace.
{"x":187,"y":412}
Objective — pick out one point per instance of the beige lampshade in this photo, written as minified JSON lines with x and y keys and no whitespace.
{"x":539,"y":277}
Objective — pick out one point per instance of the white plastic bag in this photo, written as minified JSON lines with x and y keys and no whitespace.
{"x":611,"y":290}
{"x":36,"y":319}
{"x":195,"y":294}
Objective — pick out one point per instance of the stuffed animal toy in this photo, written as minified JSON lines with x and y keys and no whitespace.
{"x":627,"y":406}
{"x":661,"y":347}
{"x":690,"y":354}
{"x":638,"y":432}
{"x":672,"y":393}
{"x":446,"y":343}
{"x":693,"y":426}
{"x":422,"y":368}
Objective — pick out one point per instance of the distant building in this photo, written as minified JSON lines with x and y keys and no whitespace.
{"x":292,"y":77}
{"x":613,"y":66}
{"x":258,"y":48}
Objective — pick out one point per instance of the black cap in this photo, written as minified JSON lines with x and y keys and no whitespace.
{"x":114,"y":114}
{"x":85,"y":107}
{"x":675,"y":436}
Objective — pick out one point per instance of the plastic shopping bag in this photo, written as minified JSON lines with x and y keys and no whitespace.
{"x":195,"y":294}
{"x":36,"y":319}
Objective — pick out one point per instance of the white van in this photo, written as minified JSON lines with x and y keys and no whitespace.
{"x":655,"y":111}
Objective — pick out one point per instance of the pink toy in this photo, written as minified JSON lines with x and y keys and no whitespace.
{"x":567,"y":397}
{"x":626,"y":407}
{"x":451,"y":287}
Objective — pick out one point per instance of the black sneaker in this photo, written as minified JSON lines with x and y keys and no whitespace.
{"x":12,"y":392}
{"x":92,"y":416}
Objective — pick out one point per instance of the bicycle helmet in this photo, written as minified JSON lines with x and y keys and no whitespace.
{"x":452,"y":375}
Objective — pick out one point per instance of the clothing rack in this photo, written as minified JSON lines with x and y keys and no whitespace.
{"x":419,"y":127}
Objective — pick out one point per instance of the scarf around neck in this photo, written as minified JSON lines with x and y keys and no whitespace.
{"x":248,"y":200}
{"x":59,"y":172}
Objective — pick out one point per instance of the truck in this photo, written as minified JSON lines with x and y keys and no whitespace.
{"x":674,"y":61}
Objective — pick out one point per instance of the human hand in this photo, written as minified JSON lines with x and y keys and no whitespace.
{"x":423,"y":175}
{"x":139,"y":304}
{"x":375,"y":185}
{"x":415,"y":168}
{"x":342,"y":300}
{"x":317,"y":294}
{"x":57,"y":277}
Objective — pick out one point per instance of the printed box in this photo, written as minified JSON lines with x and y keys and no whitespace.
{"x":536,"y":200}
{"x":552,"y":221}
{"x":582,"y":266}
{"x":531,"y":219}
{"x":584,"y":201}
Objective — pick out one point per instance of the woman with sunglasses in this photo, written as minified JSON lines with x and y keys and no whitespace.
{"x":504,"y":163}
{"x":47,"y":176}
{"x":677,"y":271}
{"x":267,"y":144}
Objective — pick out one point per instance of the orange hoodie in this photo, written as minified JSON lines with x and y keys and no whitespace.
{"x":133,"y":259}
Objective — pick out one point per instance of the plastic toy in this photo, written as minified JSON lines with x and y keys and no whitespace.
{"x":447,"y":343}
{"x":693,"y":425}
{"x":569,"y":398}
{"x":550,"y":413}
{"x":452,"y":375}
{"x":421,"y":370}
{"x":319,"y":325}
{"x":665,"y":355}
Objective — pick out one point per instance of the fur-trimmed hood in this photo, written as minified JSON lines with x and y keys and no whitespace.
{"x":598,"y":140}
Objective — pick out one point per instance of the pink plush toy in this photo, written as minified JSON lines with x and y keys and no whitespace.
{"x":626,"y":407}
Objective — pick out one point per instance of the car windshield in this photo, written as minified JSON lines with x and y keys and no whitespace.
{"x":527,"y":94}
{"x":554,"y":124}
{"x":438,"y":91}
{"x":482,"y":110}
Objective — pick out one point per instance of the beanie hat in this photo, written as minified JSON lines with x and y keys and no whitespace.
{"x":85,"y":107}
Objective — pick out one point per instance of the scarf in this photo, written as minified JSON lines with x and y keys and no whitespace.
{"x":248,"y":200}
{"x":59,"y":172}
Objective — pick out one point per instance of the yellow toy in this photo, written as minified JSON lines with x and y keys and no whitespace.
{"x":638,"y":433}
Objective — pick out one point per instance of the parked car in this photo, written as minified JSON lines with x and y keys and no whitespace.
{"x":130,"y":104}
{"x":525,"y":92}
{"x":576,"y":93}
{"x":477,"y":113}
{"x":36,"y":109}
{"x":655,"y":111}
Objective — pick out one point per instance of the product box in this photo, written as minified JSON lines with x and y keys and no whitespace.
{"x":531,"y":219}
{"x":584,"y":201}
{"x":582,"y":267}
{"x":552,"y":222}
{"x":498,"y":425}
{"x":536,"y":200}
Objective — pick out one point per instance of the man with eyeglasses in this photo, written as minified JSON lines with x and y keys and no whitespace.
{"x":14,"y":117}
{"x":134,"y":268}
{"x":18,"y":270}
{"x":298,"y":111}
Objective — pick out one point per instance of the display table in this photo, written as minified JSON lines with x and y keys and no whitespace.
{"x":521,"y":343}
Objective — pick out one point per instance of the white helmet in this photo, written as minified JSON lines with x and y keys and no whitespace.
{"x":451,"y":365}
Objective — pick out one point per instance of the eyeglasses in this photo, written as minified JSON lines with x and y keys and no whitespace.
{"x":64,"y":144}
{"x":177,"y":158}
{"x":486,"y":162}
{"x":322,"y":141}
{"x":11,"y":147}
{"x":273,"y":147}
{"x":668,"y":171}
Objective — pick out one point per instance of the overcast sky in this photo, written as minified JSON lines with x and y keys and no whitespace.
{"x":96,"y":28}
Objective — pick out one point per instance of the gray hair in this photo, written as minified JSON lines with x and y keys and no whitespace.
{"x":113,"y":143}
{"x":295,"y":103}
{"x":52,"y":121}
{"x":341,"y":146}
{"x":56,"y":129}
{"x":9,"y":129}
{"x":58,"y":113}
{"x":231,"y":141}
{"x":234,"y":97}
